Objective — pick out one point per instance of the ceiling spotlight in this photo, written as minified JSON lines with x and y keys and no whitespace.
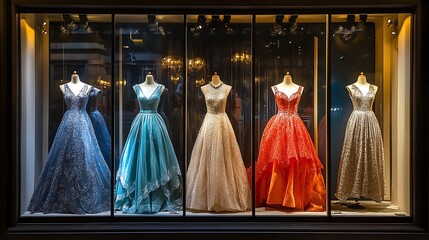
{"x":351,"y":19}
{"x":201,"y":21}
{"x":278,"y":27}
{"x":227,"y":24}
{"x":68,"y":24}
{"x":363,"y":18}
{"x":279,"y":19}
{"x":44,"y":28}
{"x":85,"y":24}
{"x":393,"y":25}
{"x":214,"y":24}
{"x":293,"y":25}
{"x":153,"y":24}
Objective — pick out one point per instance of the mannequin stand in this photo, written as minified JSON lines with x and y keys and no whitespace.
{"x":356,"y":205}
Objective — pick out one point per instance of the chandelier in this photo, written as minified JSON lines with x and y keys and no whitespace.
{"x":242,"y":58}
{"x":195,"y":64}
{"x":171,"y":63}
{"x":103,"y":83}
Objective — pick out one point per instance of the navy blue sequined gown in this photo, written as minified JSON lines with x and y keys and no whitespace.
{"x":100,"y":128}
{"x":75,"y":178}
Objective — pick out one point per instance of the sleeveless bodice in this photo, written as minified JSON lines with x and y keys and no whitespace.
{"x":362,"y":102}
{"x":216,"y":98}
{"x":93,"y":100}
{"x":287,"y":105}
{"x":148,"y":104}
{"x":76,"y":102}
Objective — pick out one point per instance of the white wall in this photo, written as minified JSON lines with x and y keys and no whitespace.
{"x":28,"y":111}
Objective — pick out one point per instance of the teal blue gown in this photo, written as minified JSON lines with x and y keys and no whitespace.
{"x":148,"y":178}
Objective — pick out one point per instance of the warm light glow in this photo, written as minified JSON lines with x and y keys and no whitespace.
{"x":200,"y":82}
{"x":195,"y":64}
{"x":171,"y":63}
{"x":174,"y":66}
{"x":103,"y":83}
{"x":121,"y":82}
{"x":242,"y":58}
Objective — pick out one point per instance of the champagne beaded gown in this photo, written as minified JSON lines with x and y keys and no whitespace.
{"x":288,"y":170}
{"x":216,"y":178}
{"x":361,"y":169}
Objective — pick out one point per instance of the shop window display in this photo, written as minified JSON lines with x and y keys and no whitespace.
{"x":215,"y":115}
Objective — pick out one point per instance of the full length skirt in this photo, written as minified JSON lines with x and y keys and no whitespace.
{"x":361,"y":169}
{"x":288,"y":170}
{"x":216,"y":178}
{"x":75,"y":178}
{"x":149,"y":178}
{"x":101,"y":133}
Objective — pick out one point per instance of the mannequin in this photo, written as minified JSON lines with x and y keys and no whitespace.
{"x":75,"y":84}
{"x":287,"y":87}
{"x":362,"y":85}
{"x":364,"y":88}
{"x":149,"y":86}
{"x":216,"y":83}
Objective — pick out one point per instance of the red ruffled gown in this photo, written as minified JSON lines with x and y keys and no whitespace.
{"x":288,"y":170}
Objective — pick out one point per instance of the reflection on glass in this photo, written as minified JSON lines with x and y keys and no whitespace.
{"x":149,"y":115}
{"x":219,"y":104}
{"x":369,"y":117}
{"x":67,"y":152}
{"x":290,"y":120}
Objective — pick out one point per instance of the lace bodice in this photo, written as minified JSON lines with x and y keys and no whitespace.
{"x":76,"y":102}
{"x":149,"y":104}
{"x":216,"y":98}
{"x":362,"y":102}
{"x":287,"y":105}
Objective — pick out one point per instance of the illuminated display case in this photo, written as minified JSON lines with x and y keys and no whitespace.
{"x":129,"y":119}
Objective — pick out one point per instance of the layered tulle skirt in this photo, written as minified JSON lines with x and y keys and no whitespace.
{"x":288,"y":170}
{"x":149,"y":177}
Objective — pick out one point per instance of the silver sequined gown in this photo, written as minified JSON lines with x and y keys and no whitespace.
{"x":361,"y":169}
{"x":216,"y":178}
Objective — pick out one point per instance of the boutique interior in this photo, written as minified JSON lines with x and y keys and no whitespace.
{"x":226,"y":122}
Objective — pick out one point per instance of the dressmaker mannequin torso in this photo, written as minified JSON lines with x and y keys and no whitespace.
{"x":75,"y":84}
{"x":216,"y":82}
{"x":362,"y":85}
{"x":149,"y":86}
{"x":287,"y":87}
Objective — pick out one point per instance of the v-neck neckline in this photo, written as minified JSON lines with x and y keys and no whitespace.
{"x":79,"y":90}
{"x":150,"y":96}
{"x":288,"y":97}
{"x":369,"y":90}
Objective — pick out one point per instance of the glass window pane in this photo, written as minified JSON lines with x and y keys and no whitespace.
{"x":65,"y":114}
{"x":370,"y":115}
{"x":219,"y":115}
{"x":290,"y":134}
{"x":149,"y":125}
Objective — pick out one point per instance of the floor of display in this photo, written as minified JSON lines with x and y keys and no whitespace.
{"x":28,"y":214}
{"x":366,"y":208}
